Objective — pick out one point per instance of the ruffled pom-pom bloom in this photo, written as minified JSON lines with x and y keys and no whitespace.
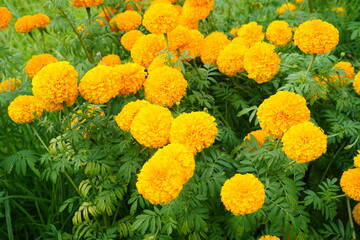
{"x":231,"y":59}
{"x":259,"y":135}
{"x":213,"y":44}
{"x":286,"y":7}
{"x":85,"y":3}
{"x":131,"y":77}
{"x":279,"y":33}
{"x":5,"y":17}
{"x":356,"y":83}
{"x":10,"y":85}
{"x":146,"y":48}
{"x":126,"y":21}
{"x":357,"y":160}
{"x":251,"y":33}
{"x":128,"y":39}
{"x":110,"y":60}
{"x":342,"y":73}
{"x":356,"y":213}
{"x":125,"y":118}
{"x":161,"y":18}
{"x":37,"y":62}
{"x":269,"y":237}
{"x":350,"y":183}
{"x":25,"y":109}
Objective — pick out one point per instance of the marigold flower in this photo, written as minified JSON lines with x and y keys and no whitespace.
{"x":342,"y":73}
{"x":146,"y":48}
{"x":24,"y":24}
{"x":260,"y":136}
{"x":231,"y":59}
{"x":316,"y":37}
{"x":269,"y":237}
{"x":5,"y":17}
{"x":100,"y":84}
{"x":341,"y":12}
{"x":356,"y":213}
{"x":299,"y":1}
{"x":356,"y":83}
{"x":161,"y":18}
{"x":234,"y":31}
{"x":151,"y":126}
{"x":350,"y":183}
{"x":279,"y":33}
{"x":25,"y":109}
{"x":52,"y":107}
{"x":286,"y":7}
{"x":128,"y":39}
{"x":261,"y":62}
{"x":304,"y":142}
{"x":10,"y":85}
{"x":281,"y":111}
{"x":188,"y":21}
{"x":243,"y":194}
{"x":212,"y":46}
{"x":110,"y":60}
{"x":131,"y":78}
{"x":40,"y":20}
{"x":196,"y":130}
{"x":85,"y":3}
{"x":251,"y":33}
{"x":126,"y":21}
{"x":56,"y":83}
{"x":198,"y":9}
{"x":125,"y":118}
{"x":357,"y":160}
{"x":165,"y":59}
{"x":37,"y":62}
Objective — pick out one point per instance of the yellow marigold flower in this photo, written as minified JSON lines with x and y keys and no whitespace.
{"x":128,"y":39}
{"x":304,"y":142}
{"x":100,"y":84}
{"x":356,"y":213}
{"x":198,"y":9}
{"x":243,"y":194}
{"x":350,"y":183}
{"x":251,"y":33}
{"x":357,"y":160}
{"x":5,"y":17}
{"x":85,"y":3}
{"x":24,"y":24}
{"x":260,"y":136}
{"x":213,"y":44}
{"x":269,"y":237}
{"x":40,"y":20}
{"x":231,"y":59}
{"x":234,"y":31}
{"x":196,"y":130}
{"x":165,"y":86}
{"x":25,"y":109}
{"x":125,"y":118}
{"x":52,"y":107}
{"x":195,"y":43}
{"x":161,"y":179}
{"x":316,"y":37}
{"x":281,"y":111}
{"x":151,"y":126}
{"x":188,"y":21}
{"x":165,"y":59}
{"x":161,"y":18}
{"x":261,"y":62}
{"x":10,"y":85}
{"x":37,"y":62}
{"x":286,"y":7}
{"x":131,"y":77}
{"x":126,"y":21}
{"x":178,"y":37}
{"x":342,"y":73}
{"x":356,"y":83}
{"x":146,"y":48}
{"x":56,"y":83}
{"x":279,"y":33}
{"x":110,"y":60}
{"x":341,"y":12}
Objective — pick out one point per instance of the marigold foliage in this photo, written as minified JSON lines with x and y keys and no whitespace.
{"x":243,"y":194}
{"x":131,"y":77}
{"x":126,"y":21}
{"x":269,"y":237}
{"x":138,"y":5}
{"x":5,"y":17}
{"x":356,"y":213}
{"x":25,"y":109}
{"x":161,"y":18}
{"x":85,"y":3}
{"x":165,"y":86}
{"x":279,"y":33}
{"x":356,"y":83}
{"x":37,"y":62}
{"x":231,"y":59}
{"x":350,"y":183}
{"x":125,"y":118}
{"x":110,"y":60}
{"x":286,"y":7}
{"x":196,"y":130}
{"x":251,"y":33}
{"x":212,"y":46}
{"x":262,"y":62}
{"x":198,"y":9}
{"x":151,"y":126}
{"x":10,"y":85}
{"x":146,"y":48}
{"x":128,"y":39}
{"x":357,"y":160}
{"x":260,"y":136}
{"x":282,"y":110}
{"x":92,"y":110}
{"x":316,"y":37}
{"x":106,"y":14}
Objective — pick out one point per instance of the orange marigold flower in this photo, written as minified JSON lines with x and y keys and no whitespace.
{"x":128,"y":39}
{"x":126,"y":21}
{"x":341,"y":12}
{"x":161,"y":18}
{"x":24,"y":24}
{"x":356,"y":83}
{"x":198,"y":9}
{"x":125,"y":118}
{"x":260,"y":136}
{"x":350,"y":183}
{"x":281,"y":111}
{"x":304,"y":142}
{"x":52,"y":107}
{"x":213,"y":44}
{"x":85,"y":3}
{"x":279,"y":33}
{"x":231,"y":59}
{"x":251,"y":33}
{"x":131,"y":77}
{"x":269,"y":237}
{"x":25,"y":109}
{"x":188,"y":21}
{"x":356,"y":213}
{"x":316,"y":37}
{"x":357,"y":160}
{"x":342,"y":73}
{"x":146,"y":48}
{"x":10,"y":85}
{"x":110,"y":60}
{"x":37,"y":62}
{"x":243,"y":194}
{"x":5,"y":17}
{"x":262,"y":62}
{"x":196,"y":130}
{"x":40,"y":20}
{"x":286,"y":7}
{"x":151,"y":126}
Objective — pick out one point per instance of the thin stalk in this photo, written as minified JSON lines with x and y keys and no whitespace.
{"x":167,"y":41}
{"x":72,"y":182}
{"x":38,"y":136}
{"x":311,"y":64}
{"x":334,"y":197}
{"x":43,"y":39}
{"x":8,"y":219}
{"x":24,"y":197}
{"x":311,"y":6}
{"x":350,"y":218}
{"x":88,"y":11}
{"x":4,"y":125}
{"x":332,"y":160}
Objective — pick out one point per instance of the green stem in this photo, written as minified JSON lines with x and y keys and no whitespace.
{"x":167,"y":41}
{"x":350,"y":218}
{"x":4,"y":125}
{"x":88,"y":11}
{"x":24,"y":197}
{"x":8,"y":219}
{"x":311,"y":6}
{"x":332,"y":160}
{"x":38,"y":136}
{"x":43,"y":39}
{"x":334,"y":197}
{"x":72,"y":183}
{"x":311,"y":64}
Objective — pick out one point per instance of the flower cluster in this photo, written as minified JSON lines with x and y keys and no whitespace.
{"x":25,"y":109}
{"x":9,"y":85}
{"x":37,"y":62}
{"x":356,"y":213}
{"x":357,"y":160}
{"x":125,"y":118}
{"x":213,"y":44}
{"x":28,"y":23}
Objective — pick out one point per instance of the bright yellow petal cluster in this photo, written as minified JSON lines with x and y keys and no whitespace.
{"x":196,"y":130}
{"x":28,"y":23}
{"x":342,"y":73}
{"x":279,"y":33}
{"x":198,"y":9}
{"x":304,"y":142}
{"x":56,"y":83}
{"x":212,"y":46}
{"x":269,"y":237}
{"x":85,"y":3}
{"x":110,"y":60}
{"x":40,"y":20}
{"x":131,"y":78}
{"x":357,"y":160}
{"x":161,"y":179}
{"x":188,"y":21}
{"x":251,"y":33}
{"x":234,"y":31}
{"x":356,"y":213}
{"x":52,"y":107}
{"x":299,"y":1}
{"x":161,"y":18}
{"x":341,"y":12}
{"x":164,"y":59}
{"x":165,"y":86}
{"x":5,"y":17}
{"x":10,"y":85}
{"x":262,"y":62}
{"x":125,"y":118}
{"x":286,"y":7}
{"x":260,"y":136}
{"x":37,"y":62}
{"x":128,"y":39}
{"x":183,"y":38}
{"x":281,"y":111}
{"x":25,"y":109}
{"x":151,"y":126}
{"x":350,"y":183}
{"x":243,"y":194}
{"x":231,"y":59}
{"x":316,"y":37}
{"x":126,"y":21}
{"x":146,"y":48}
{"x":100,"y":84}
{"x":356,"y":83}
